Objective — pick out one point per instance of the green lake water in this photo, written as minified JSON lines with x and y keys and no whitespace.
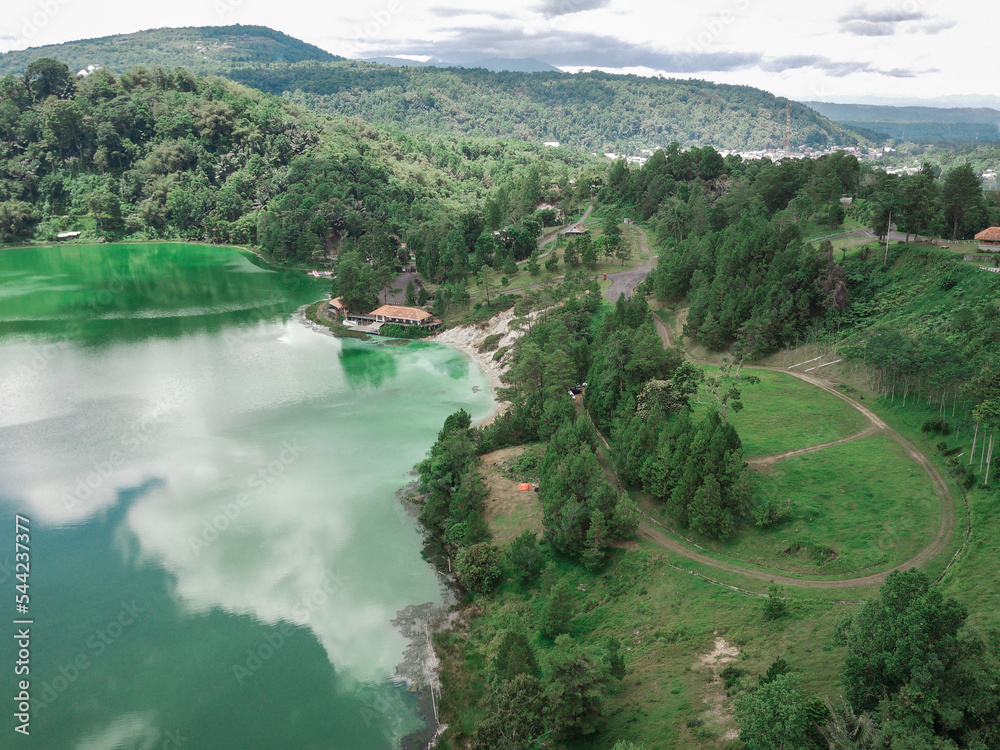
{"x":217,"y":551}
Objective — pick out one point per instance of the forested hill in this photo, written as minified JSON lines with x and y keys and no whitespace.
{"x":917,"y":123}
{"x":201,"y":49}
{"x":154,"y":154}
{"x":596,"y":111}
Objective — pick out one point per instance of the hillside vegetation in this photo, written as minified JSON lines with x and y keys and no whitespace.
{"x":201,"y":49}
{"x":595,"y":111}
{"x":155,"y":154}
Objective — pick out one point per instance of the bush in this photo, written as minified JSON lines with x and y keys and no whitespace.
{"x":524,"y":559}
{"x":490,"y":343}
{"x":478,"y":567}
{"x":775,"y":606}
{"x":730,"y":675}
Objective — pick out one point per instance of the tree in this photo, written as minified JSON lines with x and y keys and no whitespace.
{"x":46,"y":77}
{"x":514,"y":657}
{"x":588,"y":253}
{"x":524,"y":558}
{"x":570,"y":255}
{"x":422,"y":297}
{"x":478,"y":567}
{"x":909,"y":631}
{"x":597,"y":539}
{"x":533,"y":265}
{"x":846,"y":730}
{"x":616,"y":662}
{"x":411,"y":295}
{"x":355,"y":282}
{"x":775,"y":716}
{"x":724,"y":387}
{"x":961,"y":198}
{"x":775,"y":606}
{"x":575,"y":688}
{"x":15,"y":220}
{"x":777,"y":668}
{"x":516,"y":716}
{"x":557,"y":610}
{"x":485,"y":282}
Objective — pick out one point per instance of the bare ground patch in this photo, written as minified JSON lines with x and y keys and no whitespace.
{"x":509,"y":511}
{"x":716,"y":702}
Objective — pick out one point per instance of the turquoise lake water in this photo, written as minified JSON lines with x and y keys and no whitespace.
{"x":217,"y":551}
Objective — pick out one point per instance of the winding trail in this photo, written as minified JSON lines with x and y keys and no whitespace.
{"x":663,"y":536}
{"x":624,"y":282}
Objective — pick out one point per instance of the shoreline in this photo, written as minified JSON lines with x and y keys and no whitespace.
{"x":469,"y":338}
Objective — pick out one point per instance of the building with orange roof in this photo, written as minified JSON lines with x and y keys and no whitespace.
{"x":989,"y":239}
{"x":405,"y":316}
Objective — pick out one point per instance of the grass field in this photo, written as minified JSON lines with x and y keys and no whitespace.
{"x":859,"y":506}
{"x":972,"y":579}
{"x":782,"y":413}
{"x":668,"y":623}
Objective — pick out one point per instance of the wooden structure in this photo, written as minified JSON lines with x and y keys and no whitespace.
{"x":574,"y":229}
{"x":989,"y":239}
{"x":337,"y":307}
{"x":404,"y":316}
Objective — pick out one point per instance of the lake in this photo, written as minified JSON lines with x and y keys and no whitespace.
{"x":217,"y":550}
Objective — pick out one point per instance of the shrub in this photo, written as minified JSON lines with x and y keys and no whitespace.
{"x":478,"y":567}
{"x":775,"y":606}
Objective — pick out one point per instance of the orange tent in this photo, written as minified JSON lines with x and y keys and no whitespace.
{"x":524,"y":486}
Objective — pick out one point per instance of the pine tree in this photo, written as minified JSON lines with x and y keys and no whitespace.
{"x":557,"y":610}
{"x":616,"y":662}
{"x":593,"y":554}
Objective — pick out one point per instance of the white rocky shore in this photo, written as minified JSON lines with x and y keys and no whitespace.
{"x":469,"y":338}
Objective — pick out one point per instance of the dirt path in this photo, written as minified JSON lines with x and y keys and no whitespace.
{"x":662,"y":331}
{"x":653,"y":531}
{"x":624,"y":282}
{"x":766,"y":462}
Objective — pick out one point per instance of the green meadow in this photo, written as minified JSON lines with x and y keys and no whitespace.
{"x":854,"y":508}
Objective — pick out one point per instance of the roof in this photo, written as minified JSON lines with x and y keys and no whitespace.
{"x":398,"y":311}
{"x":337,"y":302}
{"x":989,"y":235}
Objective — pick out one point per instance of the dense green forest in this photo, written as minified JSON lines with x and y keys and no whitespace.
{"x":595,"y":111}
{"x":200,"y":49}
{"x":733,"y":234}
{"x":155,"y":153}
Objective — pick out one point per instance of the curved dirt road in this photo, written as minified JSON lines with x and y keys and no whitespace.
{"x":655,"y":532}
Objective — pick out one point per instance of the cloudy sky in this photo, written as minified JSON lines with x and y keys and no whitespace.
{"x":805,"y":49}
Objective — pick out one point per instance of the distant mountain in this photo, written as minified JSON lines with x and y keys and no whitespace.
{"x":495,"y":64}
{"x":200,"y":49}
{"x":599,"y":112}
{"x":948,"y":101}
{"x":915,"y":122}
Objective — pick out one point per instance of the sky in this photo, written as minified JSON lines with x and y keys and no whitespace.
{"x":803,"y":49}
